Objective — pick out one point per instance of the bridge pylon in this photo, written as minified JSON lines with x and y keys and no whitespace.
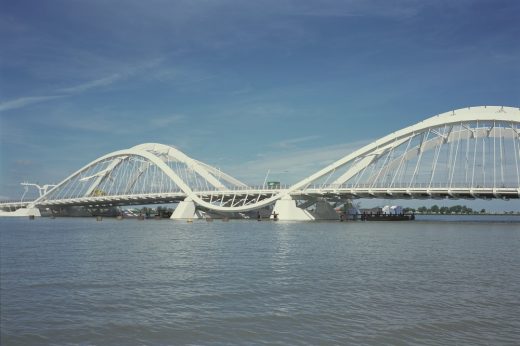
{"x":186,"y":210}
{"x":285,"y":209}
{"x":29,"y":211}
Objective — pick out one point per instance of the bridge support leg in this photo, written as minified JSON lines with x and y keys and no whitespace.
{"x":286,"y":210}
{"x":185,"y":210}
{"x":324,"y":211}
{"x":22,"y":212}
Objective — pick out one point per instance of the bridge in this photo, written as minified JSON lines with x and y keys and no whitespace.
{"x":466,"y":153}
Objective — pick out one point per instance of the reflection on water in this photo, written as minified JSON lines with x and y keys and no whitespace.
{"x":77,"y":281}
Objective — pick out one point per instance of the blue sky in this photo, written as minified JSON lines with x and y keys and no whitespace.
{"x":243,"y":85}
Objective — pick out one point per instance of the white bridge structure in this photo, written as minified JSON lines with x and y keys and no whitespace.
{"x":466,"y":153}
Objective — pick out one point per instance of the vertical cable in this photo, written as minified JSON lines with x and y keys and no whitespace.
{"x":361,"y":173}
{"x":517,"y":152}
{"x":475,"y":137}
{"x":449,"y":147}
{"x":494,"y":156}
{"x":453,"y":166}
{"x":436,"y":156}
{"x":424,"y":139}
{"x":502,"y":161}
{"x":484,"y":160}
{"x":402,"y":159}
{"x":384,"y":164}
{"x":466,"y":166}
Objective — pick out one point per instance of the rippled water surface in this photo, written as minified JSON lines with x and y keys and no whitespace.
{"x":158,"y":282}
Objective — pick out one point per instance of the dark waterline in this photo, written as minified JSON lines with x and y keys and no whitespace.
{"x":80,"y":282}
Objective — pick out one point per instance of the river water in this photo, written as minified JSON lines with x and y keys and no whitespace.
{"x":75,"y":281}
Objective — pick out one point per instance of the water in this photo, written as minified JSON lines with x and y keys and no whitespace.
{"x":81,"y":282}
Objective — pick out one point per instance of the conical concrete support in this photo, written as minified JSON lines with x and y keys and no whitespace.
{"x":21,"y":212}
{"x":185,"y":210}
{"x":286,"y":210}
{"x":324,"y":211}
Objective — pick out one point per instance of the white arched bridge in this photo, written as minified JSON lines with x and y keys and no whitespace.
{"x":466,"y":153}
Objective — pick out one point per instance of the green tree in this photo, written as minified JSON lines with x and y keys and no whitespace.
{"x":456,"y":209}
{"x":466,"y":210}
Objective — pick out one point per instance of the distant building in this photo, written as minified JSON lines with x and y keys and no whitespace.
{"x":374,"y":211}
{"x":394,"y":209}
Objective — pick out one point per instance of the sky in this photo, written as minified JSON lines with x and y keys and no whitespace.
{"x":248,"y":86}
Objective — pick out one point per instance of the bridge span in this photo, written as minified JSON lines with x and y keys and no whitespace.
{"x":466,"y":153}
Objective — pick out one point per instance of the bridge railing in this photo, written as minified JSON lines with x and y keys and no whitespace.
{"x":436,"y":185}
{"x":406,"y":186}
{"x":261,"y":189}
{"x":245,"y":188}
{"x":15,"y":202}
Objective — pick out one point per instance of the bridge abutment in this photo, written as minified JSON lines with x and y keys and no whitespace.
{"x":287,"y":210}
{"x":185,"y":210}
{"x":324,"y":211}
{"x":21,"y":212}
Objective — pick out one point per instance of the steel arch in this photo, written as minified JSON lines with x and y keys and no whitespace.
{"x":359,"y":159}
{"x":470,"y":114}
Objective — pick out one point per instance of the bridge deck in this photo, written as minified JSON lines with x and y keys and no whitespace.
{"x":327,"y":192}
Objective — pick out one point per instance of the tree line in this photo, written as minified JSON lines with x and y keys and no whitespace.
{"x":435,"y":209}
{"x":163,"y":212}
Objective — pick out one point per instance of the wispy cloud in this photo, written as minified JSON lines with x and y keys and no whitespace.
{"x":292,"y":142}
{"x":166,"y":121}
{"x":296,"y":164}
{"x":358,"y":8}
{"x":110,"y":120}
{"x":123,"y":73}
{"x":22,"y":162}
{"x":80,"y":88}
{"x":25,"y":101}
{"x":92,"y":84}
